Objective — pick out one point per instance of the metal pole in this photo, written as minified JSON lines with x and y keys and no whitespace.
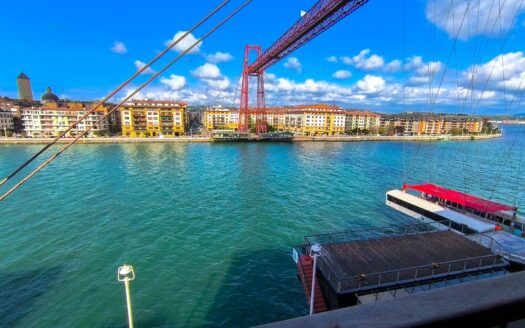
{"x":312,"y":294}
{"x":128,"y":303}
{"x":5,"y":132}
{"x":315,"y":250}
{"x":125,"y":273}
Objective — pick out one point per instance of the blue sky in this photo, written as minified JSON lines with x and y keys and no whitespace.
{"x":387,"y":56}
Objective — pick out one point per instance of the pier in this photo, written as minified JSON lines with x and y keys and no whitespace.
{"x":355,"y":266}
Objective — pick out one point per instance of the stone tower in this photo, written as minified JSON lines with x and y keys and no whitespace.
{"x":24,"y":87}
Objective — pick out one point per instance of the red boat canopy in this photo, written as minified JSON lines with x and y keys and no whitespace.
{"x":466,"y":200}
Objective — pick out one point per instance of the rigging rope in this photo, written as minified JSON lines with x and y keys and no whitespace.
{"x":113,"y":93}
{"x":153,"y":77}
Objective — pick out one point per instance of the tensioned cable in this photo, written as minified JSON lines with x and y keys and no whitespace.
{"x":476,"y":57}
{"x":432,"y":103}
{"x":509,"y":154}
{"x":114,"y":92}
{"x":153,"y":77}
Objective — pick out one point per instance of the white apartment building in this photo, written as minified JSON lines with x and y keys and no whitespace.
{"x":53,"y":119}
{"x":362,"y":120}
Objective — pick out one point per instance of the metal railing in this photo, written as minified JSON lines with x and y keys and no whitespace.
{"x":339,"y":283}
{"x":408,"y":275}
{"x":374,"y":233}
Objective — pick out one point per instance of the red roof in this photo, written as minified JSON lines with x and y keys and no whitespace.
{"x":467,"y":200}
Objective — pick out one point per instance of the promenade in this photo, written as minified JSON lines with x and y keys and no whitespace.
{"x":118,"y":140}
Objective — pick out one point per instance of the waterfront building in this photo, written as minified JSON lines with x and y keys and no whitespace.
{"x":315,"y":120}
{"x":311,"y":120}
{"x":25,"y":91}
{"x":361,"y":120}
{"x":220,"y":118}
{"x":430,"y":124}
{"x":276,"y":118}
{"x":53,"y":118}
{"x":153,"y":118}
{"x":7,"y":104}
{"x":463,"y":123}
{"x":6,"y":121}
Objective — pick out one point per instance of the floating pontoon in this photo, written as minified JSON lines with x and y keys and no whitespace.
{"x":364,"y":266}
{"x":488,"y":223}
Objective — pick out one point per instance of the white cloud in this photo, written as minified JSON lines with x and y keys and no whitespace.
{"x":504,"y":72}
{"x":220,"y":84}
{"x":364,"y":61}
{"x":481,"y":17}
{"x":371,"y":91}
{"x":371,"y":84}
{"x":332,"y":59}
{"x":342,"y":74}
{"x":219,"y":57}
{"x":174,"y":82}
{"x":294,"y":64}
{"x":119,"y":48}
{"x":139,"y":64}
{"x":207,"y":71}
{"x":211,"y":75}
{"x":424,"y":72}
{"x":185,"y":43}
{"x":269,"y":76}
{"x":393,"y":67}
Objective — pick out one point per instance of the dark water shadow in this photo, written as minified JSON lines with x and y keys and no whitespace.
{"x":259,"y":287}
{"x":156,"y":322}
{"x":20,"y":290}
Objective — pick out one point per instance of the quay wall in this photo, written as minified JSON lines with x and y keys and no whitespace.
{"x":118,"y":140}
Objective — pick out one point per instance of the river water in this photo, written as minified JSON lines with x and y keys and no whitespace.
{"x":208,"y":227}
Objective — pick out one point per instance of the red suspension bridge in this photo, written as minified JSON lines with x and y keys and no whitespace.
{"x":323,"y":15}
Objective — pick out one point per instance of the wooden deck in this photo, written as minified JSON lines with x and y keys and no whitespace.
{"x":432,"y":254}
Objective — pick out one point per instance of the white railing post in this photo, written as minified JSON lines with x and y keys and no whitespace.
{"x":315,"y":250}
{"x":126,"y":274}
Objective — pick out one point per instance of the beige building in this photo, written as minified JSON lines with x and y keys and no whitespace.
{"x":25,"y":92}
{"x":153,"y":118}
{"x":315,"y":120}
{"x":362,"y":120}
{"x":311,"y":120}
{"x":220,"y":118}
{"x":430,"y":124}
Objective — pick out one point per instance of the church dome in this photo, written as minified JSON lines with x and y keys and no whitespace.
{"x":50,"y":96}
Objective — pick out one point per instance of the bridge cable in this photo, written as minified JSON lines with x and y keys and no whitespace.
{"x":114,"y":92}
{"x":153,"y":77}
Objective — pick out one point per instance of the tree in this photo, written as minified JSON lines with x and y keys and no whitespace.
{"x":400,"y":129}
{"x":455,"y":131}
{"x":9,"y":133}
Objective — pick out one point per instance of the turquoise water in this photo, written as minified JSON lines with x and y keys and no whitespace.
{"x":208,"y":227}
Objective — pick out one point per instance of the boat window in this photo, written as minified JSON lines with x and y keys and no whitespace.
{"x":431,"y":215}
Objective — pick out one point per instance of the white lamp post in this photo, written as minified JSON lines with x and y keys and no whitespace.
{"x":315,"y":251}
{"x":126,"y":274}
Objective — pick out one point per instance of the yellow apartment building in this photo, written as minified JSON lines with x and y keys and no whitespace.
{"x":153,"y":118}
{"x":220,"y":118}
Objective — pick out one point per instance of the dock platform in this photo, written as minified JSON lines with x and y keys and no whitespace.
{"x":367,"y":264}
{"x":392,"y":258}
